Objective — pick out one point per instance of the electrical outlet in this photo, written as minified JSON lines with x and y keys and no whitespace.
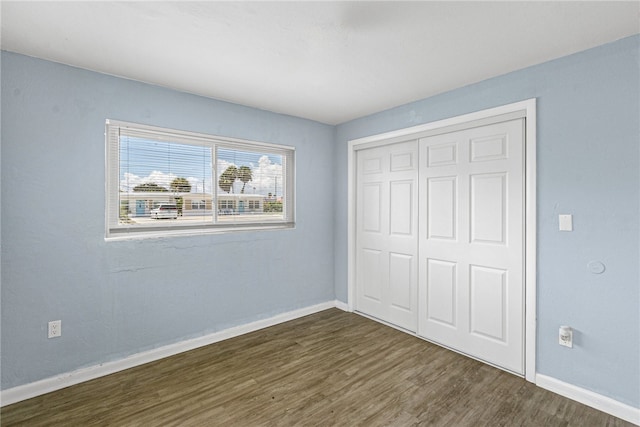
{"x":565,"y":336}
{"x":55,"y":328}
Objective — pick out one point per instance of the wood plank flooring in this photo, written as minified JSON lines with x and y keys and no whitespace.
{"x":328,"y":369}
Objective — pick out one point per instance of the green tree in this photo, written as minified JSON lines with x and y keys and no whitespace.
{"x":272,"y":207}
{"x":180,"y":185}
{"x":179,"y":204}
{"x":227,"y":178}
{"x":149,"y":186}
{"x":245,"y":175}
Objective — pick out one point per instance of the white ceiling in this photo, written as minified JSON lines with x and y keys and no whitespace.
{"x":326,"y":61}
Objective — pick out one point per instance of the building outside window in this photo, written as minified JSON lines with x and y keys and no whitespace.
{"x":198,"y":205}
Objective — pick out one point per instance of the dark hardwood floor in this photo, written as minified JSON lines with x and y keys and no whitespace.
{"x":330,"y":368}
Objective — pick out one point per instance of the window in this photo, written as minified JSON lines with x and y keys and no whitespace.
{"x":226,"y":204}
{"x":200,"y":204}
{"x":251,"y":183}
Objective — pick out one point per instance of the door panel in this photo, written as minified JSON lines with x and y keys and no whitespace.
{"x":401,"y":209}
{"x":488,"y":148}
{"x":471,"y":256}
{"x":400,"y":272}
{"x":441,"y":295}
{"x":442,"y":154}
{"x":441,"y":208}
{"x":488,"y":208}
{"x":488,"y":302}
{"x":372,"y":287}
{"x":371,"y":207}
{"x":387,"y":233}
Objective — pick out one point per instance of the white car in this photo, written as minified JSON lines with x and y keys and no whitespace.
{"x":165,"y":210}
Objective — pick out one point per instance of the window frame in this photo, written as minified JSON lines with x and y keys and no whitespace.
{"x":114,"y":230}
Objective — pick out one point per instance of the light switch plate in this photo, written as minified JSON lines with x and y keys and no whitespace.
{"x":566,"y":222}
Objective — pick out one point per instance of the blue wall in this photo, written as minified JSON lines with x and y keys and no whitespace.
{"x":121,"y":297}
{"x":588,"y":165}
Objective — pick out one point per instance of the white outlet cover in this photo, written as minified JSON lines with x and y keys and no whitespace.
{"x":565,"y":336}
{"x":565,"y":222}
{"x":55,"y":328}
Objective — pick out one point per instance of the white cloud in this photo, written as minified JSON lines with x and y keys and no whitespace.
{"x":267,"y":176}
{"x":161,"y":178}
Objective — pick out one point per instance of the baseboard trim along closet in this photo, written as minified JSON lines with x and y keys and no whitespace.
{"x":47,"y":385}
{"x":589,"y":398}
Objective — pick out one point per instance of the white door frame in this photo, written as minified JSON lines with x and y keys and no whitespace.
{"x":526,"y":109}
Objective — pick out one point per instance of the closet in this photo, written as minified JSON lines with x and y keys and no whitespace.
{"x":440,"y":237}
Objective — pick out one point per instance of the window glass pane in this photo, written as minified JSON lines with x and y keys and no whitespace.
{"x":251,"y":185}
{"x":156,"y":176}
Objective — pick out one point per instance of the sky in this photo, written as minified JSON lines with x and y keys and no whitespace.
{"x":143,"y":161}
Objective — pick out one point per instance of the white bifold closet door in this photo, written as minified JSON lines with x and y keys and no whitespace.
{"x":471,"y":246}
{"x":387,"y":233}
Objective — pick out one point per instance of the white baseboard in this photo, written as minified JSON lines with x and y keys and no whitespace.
{"x":47,"y":385}
{"x":342,"y":305}
{"x":589,"y":398}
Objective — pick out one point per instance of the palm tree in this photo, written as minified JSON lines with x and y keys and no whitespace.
{"x":149,"y":186}
{"x":180,"y":185}
{"x":245,"y":175}
{"x":227,"y":178}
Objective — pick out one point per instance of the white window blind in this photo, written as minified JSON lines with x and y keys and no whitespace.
{"x":163,"y":182}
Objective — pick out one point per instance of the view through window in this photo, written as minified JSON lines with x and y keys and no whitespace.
{"x":165,"y":181}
